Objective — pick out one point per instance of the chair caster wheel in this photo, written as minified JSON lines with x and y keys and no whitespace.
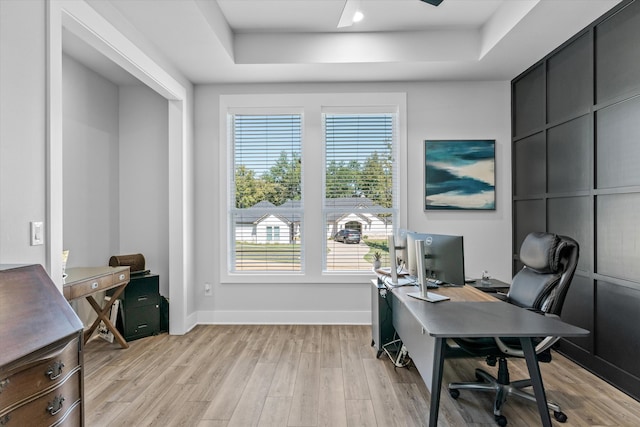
{"x":501,"y":420}
{"x":560,"y":417}
{"x":455,"y":393}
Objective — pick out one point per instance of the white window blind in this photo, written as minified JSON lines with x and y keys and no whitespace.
{"x":266,"y":193}
{"x":359,"y":187}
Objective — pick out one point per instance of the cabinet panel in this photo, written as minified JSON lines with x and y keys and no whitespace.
{"x":571,"y":216}
{"x":142,"y":321}
{"x":617,"y":51}
{"x":528,"y":102}
{"x":569,"y":80}
{"x":529,"y":217}
{"x":617,"y":329}
{"x":578,"y":309}
{"x":142,"y":291}
{"x":592,"y":180}
{"x":618,"y":236}
{"x":530,"y":170}
{"x":569,"y":156}
{"x":617,"y":145}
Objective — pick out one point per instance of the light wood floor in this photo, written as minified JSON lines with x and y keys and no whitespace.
{"x":309,"y":376}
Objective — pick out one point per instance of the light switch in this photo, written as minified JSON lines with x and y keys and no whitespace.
{"x":37,"y":233}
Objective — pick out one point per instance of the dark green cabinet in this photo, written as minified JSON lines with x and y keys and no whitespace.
{"x":140,"y":307}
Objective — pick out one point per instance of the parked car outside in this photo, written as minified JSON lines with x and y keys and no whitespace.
{"x":347,"y":236}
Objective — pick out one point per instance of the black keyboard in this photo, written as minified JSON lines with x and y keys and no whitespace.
{"x":433,"y":283}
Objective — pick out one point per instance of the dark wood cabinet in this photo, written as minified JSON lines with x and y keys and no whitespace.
{"x":41,"y":364}
{"x":140,"y":307}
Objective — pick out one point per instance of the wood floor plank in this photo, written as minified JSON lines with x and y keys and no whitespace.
{"x":228,"y":395}
{"x":249,"y":408}
{"x":304,"y":406}
{"x":413,"y":404}
{"x":330,"y":346}
{"x":145,"y":403}
{"x":387,"y":407}
{"x":355,"y":380}
{"x":332,"y":410}
{"x":275,"y":412}
{"x":211,"y":373}
{"x":312,"y":339}
{"x":284,"y":379}
{"x":360,"y":413}
{"x":219,"y":375}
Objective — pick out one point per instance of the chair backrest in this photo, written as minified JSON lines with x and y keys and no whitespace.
{"x":550,"y":262}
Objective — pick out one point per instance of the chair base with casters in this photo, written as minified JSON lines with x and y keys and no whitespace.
{"x":503,"y":388}
{"x":548,"y":264}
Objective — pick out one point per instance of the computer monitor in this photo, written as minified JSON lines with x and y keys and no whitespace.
{"x":393,"y":266}
{"x":397,"y":249}
{"x":443,"y":257}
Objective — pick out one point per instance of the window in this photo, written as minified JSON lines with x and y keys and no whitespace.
{"x":267,"y":195}
{"x":359,"y":203}
{"x":312,"y":184}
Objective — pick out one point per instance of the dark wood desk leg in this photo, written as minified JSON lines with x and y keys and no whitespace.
{"x":103,"y":315}
{"x":536,"y":380}
{"x":436,"y":380}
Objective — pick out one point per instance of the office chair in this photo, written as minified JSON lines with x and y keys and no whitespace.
{"x":549,"y":264}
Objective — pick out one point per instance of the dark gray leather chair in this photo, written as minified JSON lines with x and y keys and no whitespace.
{"x":549,"y":262}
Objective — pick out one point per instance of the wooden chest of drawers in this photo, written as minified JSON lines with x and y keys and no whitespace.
{"x":41,"y":375}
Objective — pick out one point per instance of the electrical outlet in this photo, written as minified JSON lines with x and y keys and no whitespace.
{"x":208,"y":290}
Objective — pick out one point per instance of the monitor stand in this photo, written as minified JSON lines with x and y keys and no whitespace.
{"x":428,"y":296}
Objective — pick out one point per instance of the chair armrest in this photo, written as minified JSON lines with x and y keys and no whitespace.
{"x":501,"y":296}
{"x":543,"y":345}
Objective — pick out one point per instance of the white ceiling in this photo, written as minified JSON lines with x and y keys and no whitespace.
{"x":258,"y":41}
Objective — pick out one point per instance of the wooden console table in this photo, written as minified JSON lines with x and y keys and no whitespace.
{"x":86,"y":281}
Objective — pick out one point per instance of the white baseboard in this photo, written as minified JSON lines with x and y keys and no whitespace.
{"x":285,"y":317}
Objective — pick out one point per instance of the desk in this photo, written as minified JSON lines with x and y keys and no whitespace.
{"x":425,"y":327}
{"x":491,"y":285}
{"x":86,"y":281}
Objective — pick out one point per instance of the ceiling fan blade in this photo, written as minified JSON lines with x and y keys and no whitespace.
{"x":433,"y":2}
{"x":349,"y":9}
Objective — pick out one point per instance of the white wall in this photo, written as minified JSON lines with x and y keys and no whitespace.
{"x":22,"y":129}
{"x":479,"y":110}
{"x":144,"y":176}
{"x":90,"y":160}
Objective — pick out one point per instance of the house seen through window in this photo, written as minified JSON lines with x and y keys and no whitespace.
{"x":358,"y":187}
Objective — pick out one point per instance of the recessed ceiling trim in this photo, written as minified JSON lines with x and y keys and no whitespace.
{"x":335,"y":48}
{"x":503,"y":21}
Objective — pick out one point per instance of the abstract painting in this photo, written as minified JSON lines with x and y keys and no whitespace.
{"x":460,"y":174}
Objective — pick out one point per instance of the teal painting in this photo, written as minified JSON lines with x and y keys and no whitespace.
{"x":460,"y":175}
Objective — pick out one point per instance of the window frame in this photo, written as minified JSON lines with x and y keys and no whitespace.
{"x":311,"y":107}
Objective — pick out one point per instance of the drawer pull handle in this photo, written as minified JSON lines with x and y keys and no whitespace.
{"x":94,"y":285}
{"x":4,"y":384}
{"x":143,"y":298}
{"x":55,"y":406}
{"x":55,"y":370}
{"x":144,"y":325}
{"x":122,"y":276}
{"x":5,"y":420}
